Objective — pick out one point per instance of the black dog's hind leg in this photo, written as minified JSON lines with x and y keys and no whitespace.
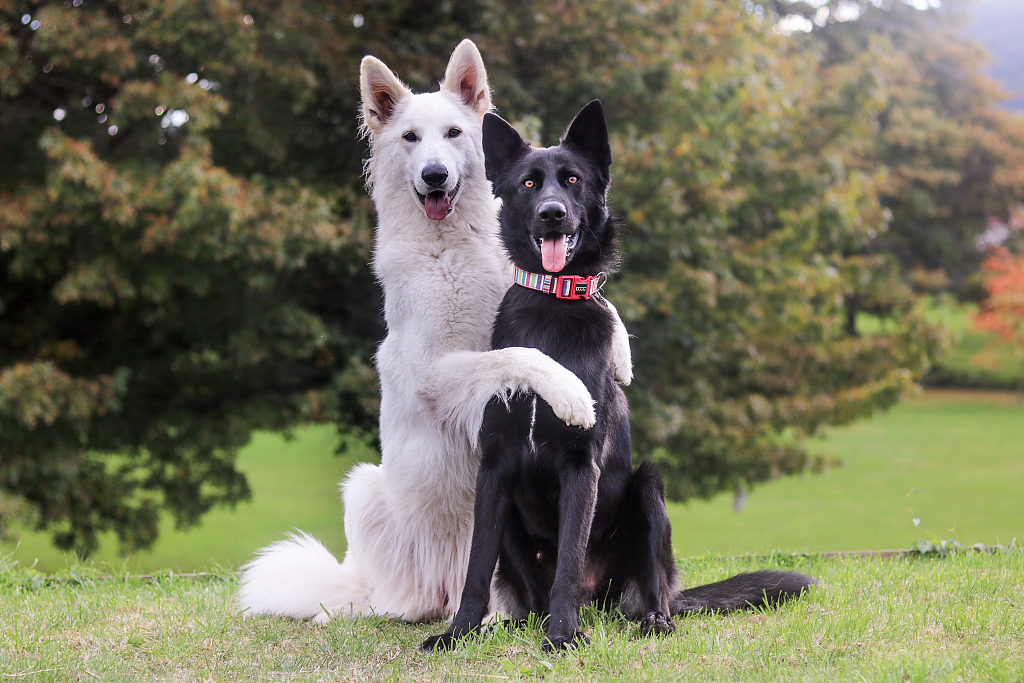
{"x":646,"y":568}
{"x":576,"y":501}
{"x":504,"y":444}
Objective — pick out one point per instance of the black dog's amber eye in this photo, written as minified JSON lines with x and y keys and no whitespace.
{"x":409,"y":137}
{"x":528,"y":183}
{"x":573,"y":179}
{"x":454,"y":132}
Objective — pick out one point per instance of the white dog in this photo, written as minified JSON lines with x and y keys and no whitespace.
{"x":409,"y":521}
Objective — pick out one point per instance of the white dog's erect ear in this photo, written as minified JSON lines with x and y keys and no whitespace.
{"x":381,"y":91}
{"x":467,"y":78}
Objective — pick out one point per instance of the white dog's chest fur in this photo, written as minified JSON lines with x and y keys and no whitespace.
{"x":440,"y":294}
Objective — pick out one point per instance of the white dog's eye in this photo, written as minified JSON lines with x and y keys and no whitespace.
{"x":573,"y":179}
{"x":409,"y":137}
{"x":528,"y":183}
{"x":454,"y":132}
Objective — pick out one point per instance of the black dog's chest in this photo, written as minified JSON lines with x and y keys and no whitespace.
{"x":538,"y":495}
{"x":576,"y":334}
{"x":538,"y":491}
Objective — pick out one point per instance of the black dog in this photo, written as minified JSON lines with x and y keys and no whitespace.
{"x":563,"y":507}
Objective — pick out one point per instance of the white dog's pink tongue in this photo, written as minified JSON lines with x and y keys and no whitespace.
{"x":436,"y":205}
{"x":552,"y":253}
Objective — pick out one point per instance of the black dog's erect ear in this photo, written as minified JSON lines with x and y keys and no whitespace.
{"x":503,"y":146}
{"x":588,"y":134}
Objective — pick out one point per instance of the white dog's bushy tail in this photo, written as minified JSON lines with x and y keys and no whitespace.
{"x":296,"y":578}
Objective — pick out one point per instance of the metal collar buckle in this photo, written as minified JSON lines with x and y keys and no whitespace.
{"x":573,"y":287}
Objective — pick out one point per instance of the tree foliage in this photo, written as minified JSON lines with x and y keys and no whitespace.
{"x":184,"y":233}
{"x":952,"y":157}
{"x":161,"y":298}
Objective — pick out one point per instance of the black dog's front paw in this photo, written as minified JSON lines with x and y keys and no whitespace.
{"x":555,"y":643}
{"x":656,"y":624}
{"x":445,"y":641}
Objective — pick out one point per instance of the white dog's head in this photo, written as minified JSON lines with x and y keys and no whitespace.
{"x":425,"y":145}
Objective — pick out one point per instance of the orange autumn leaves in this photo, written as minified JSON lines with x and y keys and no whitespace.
{"x":1003,"y":311}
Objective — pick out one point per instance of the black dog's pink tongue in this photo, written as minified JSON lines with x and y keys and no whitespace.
{"x":552,"y":253}
{"x":436,"y":205}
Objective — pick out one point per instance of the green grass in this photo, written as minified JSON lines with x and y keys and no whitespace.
{"x":950,"y":459}
{"x":959,"y":618}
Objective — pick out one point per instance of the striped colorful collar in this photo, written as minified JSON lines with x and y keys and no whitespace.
{"x":569,"y":287}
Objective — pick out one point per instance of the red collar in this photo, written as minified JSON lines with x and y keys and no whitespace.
{"x":569,"y":287}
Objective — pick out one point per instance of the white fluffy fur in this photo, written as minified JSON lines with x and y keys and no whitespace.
{"x":409,"y":520}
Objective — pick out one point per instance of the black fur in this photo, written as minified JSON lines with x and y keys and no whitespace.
{"x":570,"y":518}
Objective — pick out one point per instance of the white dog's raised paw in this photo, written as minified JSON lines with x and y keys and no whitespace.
{"x":572,"y":404}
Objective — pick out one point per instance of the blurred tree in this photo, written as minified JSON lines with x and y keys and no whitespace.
{"x":182,"y":244}
{"x":545,"y":60}
{"x":952,"y":157}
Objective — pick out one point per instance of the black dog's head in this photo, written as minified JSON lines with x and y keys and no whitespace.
{"x":554,"y":211}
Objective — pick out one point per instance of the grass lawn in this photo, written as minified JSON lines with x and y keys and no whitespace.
{"x":959,"y":618}
{"x":952,"y":460}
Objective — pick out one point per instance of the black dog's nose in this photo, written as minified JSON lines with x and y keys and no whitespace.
{"x":552,"y":212}
{"x":434,"y":175}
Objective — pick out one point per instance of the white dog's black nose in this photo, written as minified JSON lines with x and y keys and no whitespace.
{"x":434,"y":175}
{"x":551,"y":212}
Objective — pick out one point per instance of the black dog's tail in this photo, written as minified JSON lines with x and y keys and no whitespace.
{"x":765,"y":588}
